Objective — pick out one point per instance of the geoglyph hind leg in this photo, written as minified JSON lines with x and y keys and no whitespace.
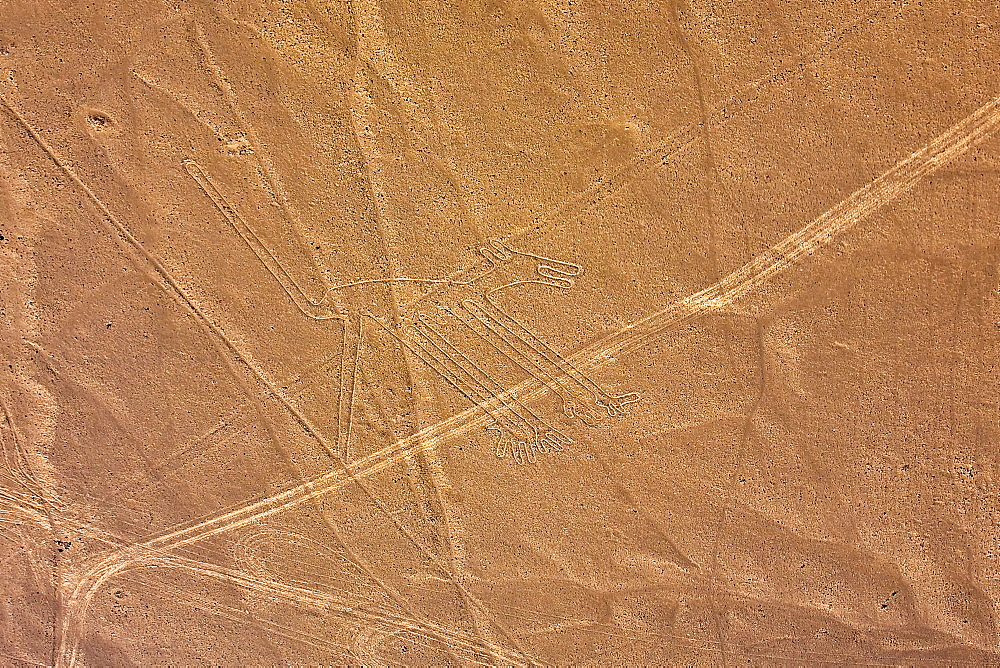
{"x":522,"y":432}
{"x":486,"y":328}
{"x":616,"y":405}
{"x":556,"y":366}
{"x":506,"y":267}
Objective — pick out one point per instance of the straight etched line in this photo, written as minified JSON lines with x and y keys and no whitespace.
{"x":662,"y":151}
{"x":862,"y":203}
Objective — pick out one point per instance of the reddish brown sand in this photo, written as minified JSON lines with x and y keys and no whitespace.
{"x":499,"y":332}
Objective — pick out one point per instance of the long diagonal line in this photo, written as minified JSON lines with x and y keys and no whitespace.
{"x":863,"y":203}
{"x":344,"y":603}
{"x":975,"y":128}
{"x":897,"y":181}
{"x":661,"y":152}
{"x":121,"y":560}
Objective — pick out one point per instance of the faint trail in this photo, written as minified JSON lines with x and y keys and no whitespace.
{"x":864,"y":202}
{"x":16,"y":467}
{"x":375,"y":583}
{"x":662,"y":151}
{"x":375,"y":59}
{"x":347,"y":605}
{"x":705,"y":118}
{"x":316,"y":309}
{"x":240,"y":616}
{"x":711,"y":178}
{"x":163,"y":278}
{"x":261,"y":152}
{"x":17,"y":660}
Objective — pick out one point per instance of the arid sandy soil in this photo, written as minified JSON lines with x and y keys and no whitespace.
{"x":499,"y":332}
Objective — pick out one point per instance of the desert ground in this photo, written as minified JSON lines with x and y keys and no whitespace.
{"x":501,"y":332}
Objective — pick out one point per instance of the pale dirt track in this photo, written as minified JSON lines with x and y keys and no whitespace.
{"x":498,"y":334}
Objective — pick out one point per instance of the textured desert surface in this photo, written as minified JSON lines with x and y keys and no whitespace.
{"x":507,"y":332}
